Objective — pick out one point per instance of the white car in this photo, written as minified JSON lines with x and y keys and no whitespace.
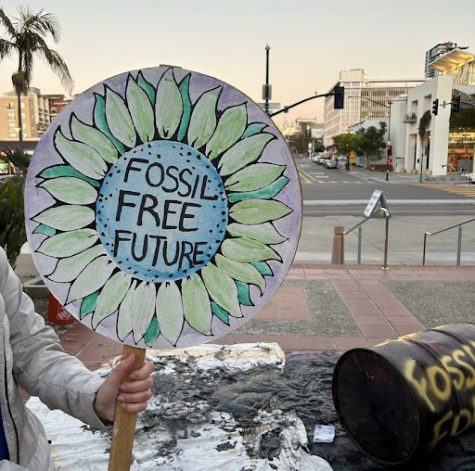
{"x":331,"y":163}
{"x":471,"y":177}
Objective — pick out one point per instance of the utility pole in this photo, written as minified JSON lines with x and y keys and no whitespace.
{"x":266,"y":88}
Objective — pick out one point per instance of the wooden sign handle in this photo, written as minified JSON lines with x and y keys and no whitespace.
{"x":124,"y":423}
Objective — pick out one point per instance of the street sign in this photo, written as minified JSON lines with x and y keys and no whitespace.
{"x":376,"y":197}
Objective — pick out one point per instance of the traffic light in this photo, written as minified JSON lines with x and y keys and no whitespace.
{"x":338,"y":97}
{"x":389,"y":150}
{"x":455,"y":104}
{"x":435,"y":107}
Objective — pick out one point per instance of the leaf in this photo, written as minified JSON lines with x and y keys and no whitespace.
{"x":82,"y":157}
{"x":126,"y":312}
{"x":244,"y":294}
{"x":68,"y":269}
{"x":66,"y":171}
{"x":230,"y":127}
{"x":267,"y":192}
{"x":263,"y":268}
{"x":168,"y":106}
{"x":196,"y":304}
{"x":92,"y":278}
{"x":101,"y":123}
{"x":220,"y":313}
{"x":68,"y":243}
{"x":254,"y":177}
{"x":93,"y":137}
{"x":221,"y":288}
{"x":144,"y":309}
{"x":244,"y":272}
{"x":118,"y":118}
{"x":147,"y":87}
{"x":247,"y":250}
{"x":169,"y":310}
{"x":253,"y":128}
{"x":265,"y":233}
{"x":70,"y":190}
{"x":152,"y":332}
{"x":66,"y":217}
{"x":44,"y":229}
{"x":258,"y":211}
{"x":110,"y":298}
{"x":184,"y":88}
{"x":203,"y":118}
{"x":141,"y":110}
{"x":243,"y":153}
{"x":88,"y":304}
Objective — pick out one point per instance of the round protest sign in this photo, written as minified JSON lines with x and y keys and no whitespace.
{"x":163,"y":208}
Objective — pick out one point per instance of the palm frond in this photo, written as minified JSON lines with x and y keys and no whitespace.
{"x":7,"y":24}
{"x":6,"y":48}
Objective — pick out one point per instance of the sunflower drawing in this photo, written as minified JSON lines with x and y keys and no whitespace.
{"x":161,"y":213}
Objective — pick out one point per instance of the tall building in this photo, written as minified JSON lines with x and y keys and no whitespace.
{"x":434,"y":53}
{"x":364,"y":99}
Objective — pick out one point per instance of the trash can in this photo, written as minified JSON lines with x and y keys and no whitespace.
{"x":57,"y":314}
{"x":404,"y":397}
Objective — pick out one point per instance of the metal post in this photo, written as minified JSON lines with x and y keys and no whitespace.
{"x":266,"y":96}
{"x":386,"y":239}
{"x":459,"y":244}
{"x":424,"y":249}
{"x":360,"y":232}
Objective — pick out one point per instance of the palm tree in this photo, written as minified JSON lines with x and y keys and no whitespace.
{"x":26,"y":39}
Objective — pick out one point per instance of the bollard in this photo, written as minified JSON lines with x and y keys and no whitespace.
{"x":338,"y":252}
{"x":404,"y":397}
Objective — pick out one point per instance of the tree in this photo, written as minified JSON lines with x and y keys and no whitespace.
{"x":372,"y":141}
{"x":26,"y":38}
{"x":347,"y":142}
{"x":424,"y":123}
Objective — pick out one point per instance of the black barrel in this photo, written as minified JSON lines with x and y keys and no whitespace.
{"x":406,"y":396}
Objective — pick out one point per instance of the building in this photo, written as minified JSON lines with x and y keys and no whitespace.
{"x":434,"y":53}
{"x":364,"y":99}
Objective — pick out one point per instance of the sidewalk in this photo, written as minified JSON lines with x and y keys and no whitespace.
{"x":328,"y":307}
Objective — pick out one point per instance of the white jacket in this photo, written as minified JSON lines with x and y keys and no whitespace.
{"x":31,"y":357}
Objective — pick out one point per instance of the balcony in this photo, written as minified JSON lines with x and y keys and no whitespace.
{"x":410,"y":118}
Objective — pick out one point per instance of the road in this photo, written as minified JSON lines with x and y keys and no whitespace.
{"x":330,"y":192}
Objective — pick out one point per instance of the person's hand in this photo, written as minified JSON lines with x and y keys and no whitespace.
{"x":132,"y":389}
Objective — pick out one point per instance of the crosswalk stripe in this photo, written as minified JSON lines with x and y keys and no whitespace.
{"x":458,"y":189}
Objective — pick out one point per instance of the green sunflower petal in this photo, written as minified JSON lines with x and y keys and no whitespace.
{"x":93,"y":137}
{"x":118,"y":118}
{"x":110,"y":298}
{"x":68,"y":243}
{"x":66,"y":171}
{"x":230,"y":128}
{"x":66,"y":217}
{"x":266,"y":193}
{"x":141,"y":110}
{"x":243,"y":153}
{"x":152,"y":332}
{"x":265,"y":233}
{"x":263,"y":268}
{"x":246,"y":250}
{"x":203,"y":118}
{"x":254,"y":177}
{"x":44,"y":229}
{"x":220,"y":313}
{"x":147,"y":87}
{"x":82,"y":157}
{"x":244,"y":294}
{"x":253,"y":128}
{"x":70,"y":190}
{"x":168,"y":106}
{"x":88,"y":304}
{"x":68,"y":269}
{"x":170,"y":311}
{"x":100,"y":122}
{"x":243,"y":272}
{"x":258,"y":211}
{"x":196,"y":304}
{"x":221,"y":288}
{"x":144,"y":308}
{"x":184,"y":88}
{"x":126,"y":313}
{"x":92,"y":278}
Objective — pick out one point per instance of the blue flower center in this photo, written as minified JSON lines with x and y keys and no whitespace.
{"x":162,"y":211}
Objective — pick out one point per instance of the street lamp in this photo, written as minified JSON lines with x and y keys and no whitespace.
{"x":266,"y":88}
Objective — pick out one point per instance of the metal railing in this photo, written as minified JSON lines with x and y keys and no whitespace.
{"x":459,"y":239}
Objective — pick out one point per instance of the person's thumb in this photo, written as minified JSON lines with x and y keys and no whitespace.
{"x":122,"y":370}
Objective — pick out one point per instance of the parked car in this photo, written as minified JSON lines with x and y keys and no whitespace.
{"x":323,"y":159}
{"x":331,"y":163}
{"x":471,"y":177}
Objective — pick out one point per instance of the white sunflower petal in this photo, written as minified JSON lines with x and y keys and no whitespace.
{"x":141,"y":110}
{"x":168,"y":106}
{"x":93,"y":137}
{"x":248,"y":250}
{"x":230,"y":128}
{"x":66,"y":217}
{"x":170,"y":311}
{"x":110,"y":297}
{"x":196,"y":304}
{"x":68,"y":243}
{"x":265,"y":233}
{"x":81,"y":156}
{"x":119,"y":119}
{"x":92,"y":278}
{"x":203,"y":118}
{"x":243,"y":272}
{"x":144,"y":309}
{"x":221,"y":288}
{"x":126,"y":312}
{"x":254,"y":177}
{"x":70,"y":190}
{"x":68,"y":269}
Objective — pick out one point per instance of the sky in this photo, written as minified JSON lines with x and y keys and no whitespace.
{"x":310,"y":41}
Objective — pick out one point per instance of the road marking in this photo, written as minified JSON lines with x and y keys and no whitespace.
{"x":467,"y":202}
{"x":466,"y":190}
{"x":306,"y":177}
